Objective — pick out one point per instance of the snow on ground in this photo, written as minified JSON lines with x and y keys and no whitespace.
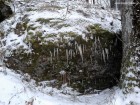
{"x":14,"y":90}
{"x":17,"y":89}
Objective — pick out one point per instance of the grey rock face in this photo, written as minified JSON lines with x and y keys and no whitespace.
{"x":85,"y":64}
{"x":5,"y":11}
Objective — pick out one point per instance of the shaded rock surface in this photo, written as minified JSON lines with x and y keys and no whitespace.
{"x":86,"y":63}
{"x":5,"y":11}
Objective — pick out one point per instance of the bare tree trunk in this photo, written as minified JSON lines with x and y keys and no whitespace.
{"x":90,"y":1}
{"x":87,"y":1}
{"x":130,"y":72}
{"x":112,"y":3}
{"x":118,"y":3}
{"x":93,"y":1}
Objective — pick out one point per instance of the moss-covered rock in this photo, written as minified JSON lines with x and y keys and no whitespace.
{"x":88,"y":63}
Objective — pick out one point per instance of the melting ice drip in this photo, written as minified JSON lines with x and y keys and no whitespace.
{"x":80,"y":51}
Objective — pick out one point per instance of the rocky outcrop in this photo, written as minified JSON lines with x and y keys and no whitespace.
{"x":5,"y":11}
{"x":85,"y":63}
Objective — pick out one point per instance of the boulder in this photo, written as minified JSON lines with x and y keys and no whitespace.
{"x":84,"y":63}
{"x":5,"y":11}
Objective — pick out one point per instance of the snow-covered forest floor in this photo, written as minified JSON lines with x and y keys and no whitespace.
{"x":18,"y":89}
{"x":64,"y":16}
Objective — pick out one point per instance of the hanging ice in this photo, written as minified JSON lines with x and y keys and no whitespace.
{"x":80,"y":51}
{"x":67,"y":55}
{"x":54,"y":52}
{"x":106,"y":51}
{"x":103,"y":54}
{"x":57,"y":52}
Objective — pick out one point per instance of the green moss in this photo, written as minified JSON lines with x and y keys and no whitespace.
{"x":31,"y":27}
{"x":39,"y":34}
{"x":52,"y":22}
{"x":44,"y":54}
{"x":72,"y":34}
{"x":1,"y":34}
{"x":61,"y":35}
{"x":68,"y":34}
{"x":106,"y":38}
{"x":51,"y":35}
{"x":25,"y":24}
{"x":131,"y":79}
{"x":93,"y":28}
{"x":21,"y":28}
{"x":43,"y":20}
{"x":30,"y":9}
{"x":50,"y":7}
{"x":30,"y":33}
{"x":59,"y":26}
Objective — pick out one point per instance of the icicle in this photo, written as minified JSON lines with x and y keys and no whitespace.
{"x":80,"y":51}
{"x":86,"y":39}
{"x":67,"y":55}
{"x":106,"y":51}
{"x":54,"y":52}
{"x":99,"y":42}
{"x":68,"y":43}
{"x":71,"y":54}
{"x":61,"y":39}
{"x":103,"y":53}
{"x":76,"y":48}
{"x":84,"y":48}
{"x":76,"y":52}
{"x":57,"y":50}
